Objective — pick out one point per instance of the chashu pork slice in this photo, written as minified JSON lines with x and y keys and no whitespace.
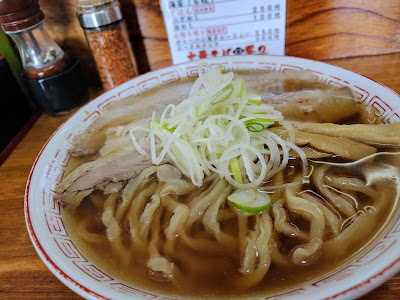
{"x":124,"y":111}
{"x":114,"y":158}
{"x":300,"y":96}
{"x":117,"y":161}
{"x":320,"y":106}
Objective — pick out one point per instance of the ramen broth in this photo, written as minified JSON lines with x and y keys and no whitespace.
{"x":211,"y":275}
{"x":214,"y":272}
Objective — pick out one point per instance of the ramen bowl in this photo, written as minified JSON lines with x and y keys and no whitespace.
{"x":372,"y":267}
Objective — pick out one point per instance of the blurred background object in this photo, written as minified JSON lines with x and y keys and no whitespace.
{"x":316,"y":29}
{"x":17,"y":113}
{"x":203,"y":29}
{"x":108,"y":39}
{"x":330,"y":29}
{"x":52,"y":77}
{"x":327,"y":30}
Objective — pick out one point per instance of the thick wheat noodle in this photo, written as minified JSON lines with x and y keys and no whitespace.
{"x":210,"y":183}
{"x":149,"y":211}
{"x":180,"y":212}
{"x":342,"y":204}
{"x":210,"y":218}
{"x":154,"y":235}
{"x":351,"y":184}
{"x":361,"y":226}
{"x":255,"y":260}
{"x":333,"y":220}
{"x":168,"y":249}
{"x":157,"y":263}
{"x":161,"y":215}
{"x":148,"y":215}
{"x":349,"y":195}
{"x":177,"y":187}
{"x":130,"y":189}
{"x":262,"y":249}
{"x":226,"y":214}
{"x":311,"y":211}
{"x":249,"y":258}
{"x":277,"y":180}
{"x":136,"y":210}
{"x":200,"y":204}
{"x":196,"y":264}
{"x":113,"y":230}
{"x":88,"y":236}
{"x":203,"y":245}
{"x":193,"y":195}
{"x":242,"y":232}
{"x":281,"y":223}
{"x":276,"y":256}
{"x":308,"y":253}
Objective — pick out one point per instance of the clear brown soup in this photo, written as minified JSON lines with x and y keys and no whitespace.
{"x":211,"y":275}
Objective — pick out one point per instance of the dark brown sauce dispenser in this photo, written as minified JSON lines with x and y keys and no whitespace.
{"x":52,"y":77}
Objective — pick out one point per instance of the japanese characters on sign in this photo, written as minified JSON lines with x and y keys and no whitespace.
{"x":207,"y":28}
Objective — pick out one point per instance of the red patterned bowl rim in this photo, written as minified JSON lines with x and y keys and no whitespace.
{"x":58,"y":252}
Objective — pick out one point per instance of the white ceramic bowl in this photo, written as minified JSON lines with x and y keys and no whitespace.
{"x":58,"y":252}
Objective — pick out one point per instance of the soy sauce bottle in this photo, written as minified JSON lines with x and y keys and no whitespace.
{"x":52,"y":77}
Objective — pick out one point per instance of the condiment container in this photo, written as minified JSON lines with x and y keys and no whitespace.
{"x":53,"y":79}
{"x":7,"y":50}
{"x":108,"y":38}
{"x":15,"y":108}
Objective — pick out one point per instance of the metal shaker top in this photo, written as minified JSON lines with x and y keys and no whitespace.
{"x":97,"y":13}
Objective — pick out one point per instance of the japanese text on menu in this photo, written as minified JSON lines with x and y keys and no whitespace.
{"x":207,"y":28}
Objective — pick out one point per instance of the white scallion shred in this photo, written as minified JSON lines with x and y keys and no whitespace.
{"x":203,"y":133}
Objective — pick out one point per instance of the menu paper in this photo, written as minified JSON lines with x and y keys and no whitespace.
{"x":206,"y":28}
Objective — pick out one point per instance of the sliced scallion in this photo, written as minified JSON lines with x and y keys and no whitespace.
{"x":222,"y":94}
{"x":258,"y":124}
{"x":239,"y":84}
{"x":237,"y":176}
{"x":165,"y":126}
{"x":242,"y":197}
{"x":261,"y":202}
{"x":254,"y":98}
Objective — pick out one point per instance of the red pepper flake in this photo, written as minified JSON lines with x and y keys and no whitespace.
{"x":112,"y":53}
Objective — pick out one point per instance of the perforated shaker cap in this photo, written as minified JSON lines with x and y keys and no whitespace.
{"x":97,"y":13}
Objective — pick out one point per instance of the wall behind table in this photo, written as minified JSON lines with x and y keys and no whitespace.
{"x":317,"y":29}
{"x":326,"y":29}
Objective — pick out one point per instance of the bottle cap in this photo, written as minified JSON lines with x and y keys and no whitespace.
{"x":19,"y":15}
{"x":96,"y":13}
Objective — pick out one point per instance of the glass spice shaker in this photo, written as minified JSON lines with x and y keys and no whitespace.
{"x":108,"y":38}
{"x":53,"y":79}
